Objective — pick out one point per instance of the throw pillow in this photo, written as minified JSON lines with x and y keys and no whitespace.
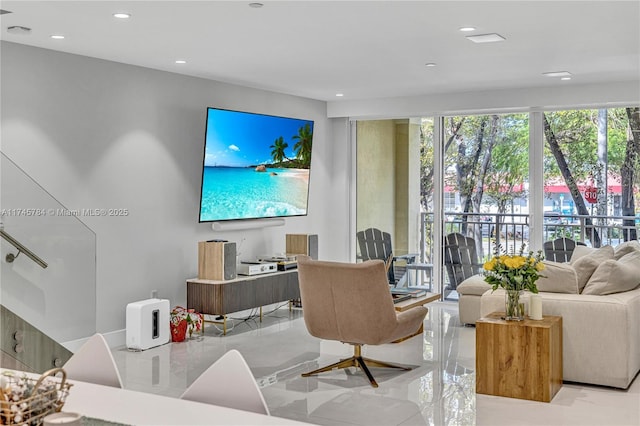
{"x":558,"y":278}
{"x":615,"y":276}
{"x":585,"y":265}
{"x":580,"y":251}
{"x":626,"y":248}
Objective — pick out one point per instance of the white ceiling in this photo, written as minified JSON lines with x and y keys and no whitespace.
{"x":364,"y":49}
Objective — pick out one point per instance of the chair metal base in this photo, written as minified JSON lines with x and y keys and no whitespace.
{"x":357,"y":360}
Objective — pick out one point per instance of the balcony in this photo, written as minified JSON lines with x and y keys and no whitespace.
{"x":510,"y":231}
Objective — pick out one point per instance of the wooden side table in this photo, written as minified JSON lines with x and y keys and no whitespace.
{"x":519,"y":359}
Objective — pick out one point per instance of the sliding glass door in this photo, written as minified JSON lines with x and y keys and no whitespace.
{"x":485,"y":171}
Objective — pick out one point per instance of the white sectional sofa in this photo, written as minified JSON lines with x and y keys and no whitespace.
{"x":598,"y":298}
{"x":469,"y":292}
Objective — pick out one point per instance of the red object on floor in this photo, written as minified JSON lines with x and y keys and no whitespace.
{"x":179,"y":331}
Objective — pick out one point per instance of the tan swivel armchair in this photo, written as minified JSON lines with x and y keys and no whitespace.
{"x":351,"y":303}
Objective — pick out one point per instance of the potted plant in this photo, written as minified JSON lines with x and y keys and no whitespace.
{"x":183,"y":321}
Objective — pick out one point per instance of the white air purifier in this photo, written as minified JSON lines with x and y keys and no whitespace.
{"x":148,"y":324}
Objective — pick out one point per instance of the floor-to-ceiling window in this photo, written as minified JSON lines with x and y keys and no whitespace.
{"x":485,"y":186}
{"x":591,"y":175}
{"x":484,"y":163}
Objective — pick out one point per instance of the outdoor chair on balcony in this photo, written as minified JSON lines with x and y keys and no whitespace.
{"x":460,"y":259}
{"x":560,"y":249}
{"x":375,"y":244}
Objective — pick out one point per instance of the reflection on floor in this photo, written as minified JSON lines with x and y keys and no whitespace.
{"x":440,"y":390}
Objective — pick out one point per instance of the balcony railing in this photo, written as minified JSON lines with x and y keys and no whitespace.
{"x":511,"y":230}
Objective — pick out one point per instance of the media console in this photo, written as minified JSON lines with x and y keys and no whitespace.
{"x":213,"y":297}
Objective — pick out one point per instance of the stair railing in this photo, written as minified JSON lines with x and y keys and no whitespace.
{"x":21,"y":249}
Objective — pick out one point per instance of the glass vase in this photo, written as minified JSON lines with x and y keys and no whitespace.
{"x":513,"y":305}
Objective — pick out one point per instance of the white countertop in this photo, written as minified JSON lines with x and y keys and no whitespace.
{"x":139,"y":408}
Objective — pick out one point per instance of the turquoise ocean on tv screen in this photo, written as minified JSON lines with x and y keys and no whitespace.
{"x":243,"y":193}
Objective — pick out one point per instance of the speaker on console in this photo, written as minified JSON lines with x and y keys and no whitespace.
{"x":216,"y":260}
{"x":306,"y":244}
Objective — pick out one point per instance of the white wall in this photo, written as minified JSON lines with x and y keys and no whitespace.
{"x":99,"y":134}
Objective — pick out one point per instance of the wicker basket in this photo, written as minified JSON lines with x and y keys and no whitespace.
{"x":26,"y":401}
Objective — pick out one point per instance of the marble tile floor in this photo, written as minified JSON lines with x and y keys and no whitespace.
{"x":440,"y":390}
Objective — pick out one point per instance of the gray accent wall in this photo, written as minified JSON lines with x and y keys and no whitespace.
{"x":103,"y":135}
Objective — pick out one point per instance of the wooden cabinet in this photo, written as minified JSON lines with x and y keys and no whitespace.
{"x":212,"y":297}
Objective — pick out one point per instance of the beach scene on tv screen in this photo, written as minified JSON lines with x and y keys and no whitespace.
{"x":255,"y":166}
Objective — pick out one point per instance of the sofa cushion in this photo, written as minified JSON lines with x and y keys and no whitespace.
{"x":586,"y":265}
{"x":580,"y":251}
{"x":558,"y":278}
{"x":615,"y":276}
{"x":625,"y":248}
{"x":474,"y":285}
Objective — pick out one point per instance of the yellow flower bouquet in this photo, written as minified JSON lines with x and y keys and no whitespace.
{"x":515,"y":273}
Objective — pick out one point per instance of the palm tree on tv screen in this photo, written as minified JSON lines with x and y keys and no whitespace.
{"x":302,"y":147}
{"x":277,"y":152}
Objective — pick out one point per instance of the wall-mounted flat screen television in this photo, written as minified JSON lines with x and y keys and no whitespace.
{"x":254,"y":166}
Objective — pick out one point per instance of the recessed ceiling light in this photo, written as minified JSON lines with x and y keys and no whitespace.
{"x":557,"y":74}
{"x":180,"y":61}
{"x":122,"y":15}
{"x":565,"y":78}
{"x":486,"y":38}
{"x":430,"y":64}
{"x":467,"y":29}
{"x":256,"y":5}
{"x":20,"y":30}
{"x":57,"y":36}
{"x":339,"y":95}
